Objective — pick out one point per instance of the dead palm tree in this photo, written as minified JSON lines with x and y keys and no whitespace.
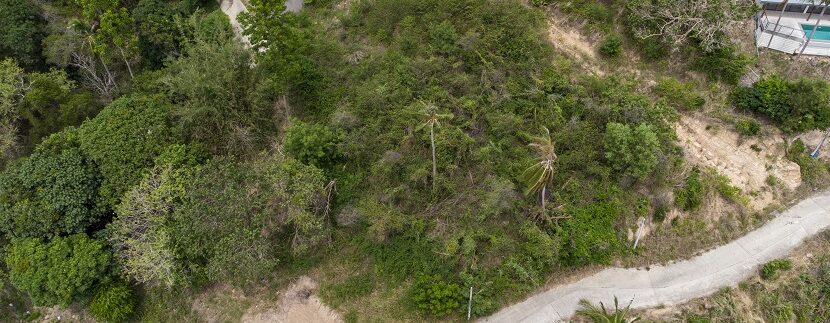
{"x":433,"y":118}
{"x":539,"y":175}
{"x":601,"y":315}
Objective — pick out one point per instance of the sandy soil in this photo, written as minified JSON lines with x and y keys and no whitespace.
{"x":734,"y":157}
{"x":297,"y":303}
{"x":570,"y":42}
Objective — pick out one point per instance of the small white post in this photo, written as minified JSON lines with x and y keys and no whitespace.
{"x":640,"y":223}
{"x":470,"y":304}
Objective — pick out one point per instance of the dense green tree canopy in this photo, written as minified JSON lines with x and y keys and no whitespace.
{"x":54,"y":191}
{"x":124,"y":139}
{"x":59,"y":271}
{"x":22,"y":32}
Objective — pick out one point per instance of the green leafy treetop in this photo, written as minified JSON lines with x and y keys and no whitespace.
{"x":54,"y":191}
{"x":57,"y":272}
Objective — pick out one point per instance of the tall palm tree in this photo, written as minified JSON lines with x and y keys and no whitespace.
{"x":601,"y":315}
{"x":433,"y":118}
{"x":539,"y":175}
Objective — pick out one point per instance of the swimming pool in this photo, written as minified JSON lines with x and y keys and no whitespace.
{"x":822,"y":32}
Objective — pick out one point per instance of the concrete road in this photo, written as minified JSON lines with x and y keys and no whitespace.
{"x":679,"y":282}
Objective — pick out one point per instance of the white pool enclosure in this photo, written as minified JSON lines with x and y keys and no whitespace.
{"x":800,"y":27}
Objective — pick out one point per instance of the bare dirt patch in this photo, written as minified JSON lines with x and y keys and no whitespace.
{"x":575,"y":46}
{"x":297,"y":303}
{"x":747,"y":162}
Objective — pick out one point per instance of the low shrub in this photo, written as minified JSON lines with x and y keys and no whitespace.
{"x":112,"y":303}
{"x":748,"y":127}
{"x":730,"y":192}
{"x":660,"y":213}
{"x":680,"y":95}
{"x":725,"y":64}
{"x":771,"y":269}
{"x":436,"y":296}
{"x":795,"y":106}
{"x":690,"y":196}
{"x":611,"y":46}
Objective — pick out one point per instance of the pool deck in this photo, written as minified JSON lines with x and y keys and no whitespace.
{"x":789,"y":35}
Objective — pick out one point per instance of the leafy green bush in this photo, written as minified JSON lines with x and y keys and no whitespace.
{"x":680,"y":95}
{"x":54,"y":191}
{"x":728,"y":191}
{"x":660,"y":213}
{"x":57,"y":272}
{"x":588,"y":237}
{"x":112,"y":303}
{"x":22,"y":39}
{"x":748,"y":127}
{"x":630,"y":151}
{"x":726,"y":64}
{"x":542,"y":248}
{"x":690,"y":196}
{"x":435,"y":296}
{"x":124,"y":139}
{"x":795,"y":106}
{"x":313,"y":144}
{"x":611,"y":46}
{"x":771,"y":269}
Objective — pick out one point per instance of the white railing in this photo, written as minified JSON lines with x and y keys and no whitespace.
{"x":780,"y":30}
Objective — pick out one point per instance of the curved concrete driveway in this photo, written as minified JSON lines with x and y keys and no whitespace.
{"x":682,"y":281}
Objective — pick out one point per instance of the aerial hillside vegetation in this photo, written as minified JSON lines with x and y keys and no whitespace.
{"x":398,"y":151}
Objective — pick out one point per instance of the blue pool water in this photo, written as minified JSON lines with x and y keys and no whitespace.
{"x":822,"y":32}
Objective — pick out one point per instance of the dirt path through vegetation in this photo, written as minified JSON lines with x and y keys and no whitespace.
{"x":679,"y":282}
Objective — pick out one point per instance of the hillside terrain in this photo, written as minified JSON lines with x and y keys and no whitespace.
{"x":382,"y":160}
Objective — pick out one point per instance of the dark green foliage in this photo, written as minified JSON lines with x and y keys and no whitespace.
{"x":796,"y":106}
{"x":53,"y":102}
{"x":158,"y":35}
{"x":539,"y":246}
{"x":58,"y":272}
{"x":680,"y":95}
{"x":631,"y":152}
{"x":660,"y":213}
{"x":313,"y":144}
{"x":748,"y":127}
{"x":771,"y":269}
{"x":611,"y":46}
{"x":113,"y":303}
{"x":124,"y":139}
{"x":726,"y":64}
{"x":54,"y":191}
{"x":435,"y":296}
{"x":22,"y":33}
{"x":588,"y":237}
{"x":690,"y":196}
